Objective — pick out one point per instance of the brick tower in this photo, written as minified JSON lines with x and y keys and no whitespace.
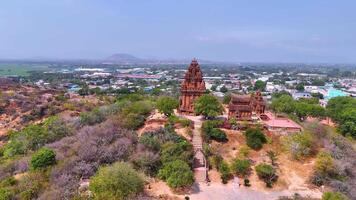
{"x":192,"y":87}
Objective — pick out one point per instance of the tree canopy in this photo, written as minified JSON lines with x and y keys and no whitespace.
{"x":208,"y":106}
{"x":260,"y":85}
{"x":166,"y":105}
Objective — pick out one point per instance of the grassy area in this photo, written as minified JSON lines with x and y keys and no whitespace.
{"x":19,"y":69}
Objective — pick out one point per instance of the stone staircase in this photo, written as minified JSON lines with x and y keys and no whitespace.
{"x":200,"y":169}
{"x":200,"y":165}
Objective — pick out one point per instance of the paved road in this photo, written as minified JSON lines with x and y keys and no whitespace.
{"x":230,"y":192}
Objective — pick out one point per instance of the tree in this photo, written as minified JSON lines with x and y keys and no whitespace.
{"x":213,"y":87}
{"x":259,"y":85}
{"x":43,"y":158}
{"x":318,"y":82}
{"x":84,"y":90}
{"x":227,"y":98}
{"x":334,"y":196}
{"x":166,"y":105}
{"x":318,"y":95}
{"x":118,"y":181}
{"x":225,"y":173}
{"x":208,"y":106}
{"x":255,"y":138}
{"x":300,"y":87}
{"x":267,"y":173}
{"x":283,"y":104}
{"x":223,"y":89}
{"x":177,"y":174}
{"x":348,"y":123}
{"x":337,"y":105}
{"x":241,"y":167}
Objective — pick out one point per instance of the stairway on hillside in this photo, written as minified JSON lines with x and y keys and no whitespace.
{"x":200,"y":170}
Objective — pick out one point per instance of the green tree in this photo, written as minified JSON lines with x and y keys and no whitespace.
{"x":300,"y":87}
{"x":208,"y":106}
{"x":255,"y":138}
{"x":223,"y":89}
{"x":227,"y":98}
{"x":43,"y":158}
{"x":283,"y":104}
{"x":166,"y":105}
{"x":84,"y":90}
{"x":267,"y":173}
{"x":177,"y":174}
{"x":259,"y":85}
{"x":115,"y":182}
{"x":225,"y":173}
{"x":213,"y":87}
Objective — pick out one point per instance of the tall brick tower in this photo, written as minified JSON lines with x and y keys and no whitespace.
{"x":192,"y":87}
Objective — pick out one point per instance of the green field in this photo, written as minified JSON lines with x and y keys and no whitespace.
{"x":19,"y":69}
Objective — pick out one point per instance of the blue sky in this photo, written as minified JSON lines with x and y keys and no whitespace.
{"x":229,"y":30}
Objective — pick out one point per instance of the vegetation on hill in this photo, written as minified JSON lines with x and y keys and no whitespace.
{"x":116,"y":182}
{"x":343,"y":111}
{"x":299,"y":109}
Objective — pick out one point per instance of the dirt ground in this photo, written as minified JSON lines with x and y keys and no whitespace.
{"x":293,"y":175}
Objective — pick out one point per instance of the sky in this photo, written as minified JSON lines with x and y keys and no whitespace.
{"x":220,"y":30}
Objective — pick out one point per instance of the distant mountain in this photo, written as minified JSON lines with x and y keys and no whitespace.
{"x":123,"y":58}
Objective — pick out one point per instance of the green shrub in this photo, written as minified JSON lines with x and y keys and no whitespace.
{"x":150,"y":142}
{"x":215,"y":161}
{"x":255,"y":138}
{"x":241,"y":167}
{"x":267,"y":173}
{"x":7,"y":182}
{"x":334,"y":196}
{"x":211,"y":131}
{"x":325,"y":165}
{"x":177,"y":174}
{"x":146,"y":161}
{"x":177,"y":151}
{"x":207,"y":150}
{"x":43,"y":158}
{"x":225,"y":173}
{"x":5,"y":194}
{"x":244,"y":152}
{"x":116,"y":182}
